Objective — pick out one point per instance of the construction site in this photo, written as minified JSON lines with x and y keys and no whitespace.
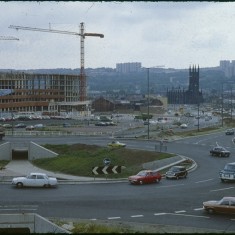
{"x":46,"y":93}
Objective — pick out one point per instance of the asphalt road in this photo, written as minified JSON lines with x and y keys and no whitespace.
{"x":171,"y":202}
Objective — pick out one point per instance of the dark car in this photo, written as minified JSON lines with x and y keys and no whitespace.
{"x":176,"y":172}
{"x":228,"y":173}
{"x":219,"y":152}
{"x":229,"y":132}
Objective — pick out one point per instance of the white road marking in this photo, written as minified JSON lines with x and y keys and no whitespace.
{"x":215,"y":190}
{"x":160,"y":213}
{"x":199,"y":216}
{"x":93,"y":219}
{"x":202,"y":181}
{"x":180,"y":212}
{"x":168,"y":186}
{"x":114,"y":218}
{"x":136,"y":216}
{"x":198,"y":209}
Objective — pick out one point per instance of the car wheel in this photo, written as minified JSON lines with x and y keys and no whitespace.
{"x":141,"y":182}
{"x":211,"y":211}
{"x":222,"y":180}
{"x":177,"y":177}
{"x":221,"y":155}
{"x":185,"y":175}
{"x":157,"y":180}
{"x":19,"y":185}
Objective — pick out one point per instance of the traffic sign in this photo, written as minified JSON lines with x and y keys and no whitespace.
{"x":107,"y":161}
{"x":99,"y":170}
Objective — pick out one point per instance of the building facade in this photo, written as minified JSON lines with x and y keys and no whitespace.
{"x":128,"y":67}
{"x":190,"y":96}
{"x":21,"y":92}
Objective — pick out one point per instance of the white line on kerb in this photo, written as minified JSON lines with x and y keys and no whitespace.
{"x":136,"y":216}
{"x":221,"y":189}
{"x":114,"y":218}
{"x":202,"y":181}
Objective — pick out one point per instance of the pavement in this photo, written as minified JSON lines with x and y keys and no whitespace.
{"x":24,"y":167}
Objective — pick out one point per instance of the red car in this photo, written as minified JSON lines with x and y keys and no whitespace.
{"x":145,"y":177}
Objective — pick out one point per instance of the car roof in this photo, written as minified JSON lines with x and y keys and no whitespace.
{"x":33,"y":173}
{"x":179,"y":166}
{"x":229,"y":198}
{"x":231,"y":163}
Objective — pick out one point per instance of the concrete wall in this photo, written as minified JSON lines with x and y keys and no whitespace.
{"x":5,"y":151}
{"x":34,"y":222}
{"x":36,"y":151}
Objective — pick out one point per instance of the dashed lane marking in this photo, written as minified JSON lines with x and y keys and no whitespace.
{"x":180,"y":211}
{"x":110,"y":218}
{"x":221,"y":189}
{"x":198,"y":209}
{"x":136,"y":216}
{"x":160,"y":213}
{"x":202,"y":181}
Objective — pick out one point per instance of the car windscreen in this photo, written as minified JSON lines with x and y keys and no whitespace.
{"x":229,"y":167}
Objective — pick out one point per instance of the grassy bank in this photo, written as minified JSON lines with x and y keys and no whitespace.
{"x":78,"y":159}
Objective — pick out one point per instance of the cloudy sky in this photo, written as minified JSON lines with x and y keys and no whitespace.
{"x":173,"y":34}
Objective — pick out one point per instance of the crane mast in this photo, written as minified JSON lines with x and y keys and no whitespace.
{"x":8,"y":38}
{"x":82,"y":77}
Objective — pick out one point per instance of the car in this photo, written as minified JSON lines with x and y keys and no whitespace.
{"x":145,"y":177}
{"x":29,"y":128}
{"x":229,"y":132}
{"x":7,"y":125}
{"x":228,"y":173}
{"x":183,"y":126}
{"x":38,"y":126}
{"x":176,"y":172}
{"x":101,"y":124}
{"x":35,"y":180}
{"x":219,"y":152}
{"x":116,"y":144}
{"x":225,"y":205}
{"x":20,"y":125}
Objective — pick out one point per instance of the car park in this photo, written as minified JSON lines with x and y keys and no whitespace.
{"x":176,"y":172}
{"x":116,"y":144}
{"x":145,"y":177}
{"x":219,"y":152}
{"x":35,"y":180}
{"x":229,"y":132}
{"x":228,"y":173}
{"x":226,"y":205}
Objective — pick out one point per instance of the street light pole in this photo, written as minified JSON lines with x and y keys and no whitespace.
{"x":148,"y":101}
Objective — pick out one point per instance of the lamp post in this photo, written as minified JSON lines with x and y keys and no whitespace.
{"x":148,"y":100}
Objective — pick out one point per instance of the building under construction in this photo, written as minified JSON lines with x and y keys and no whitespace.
{"x":46,"y":93}
{"x":190,"y":96}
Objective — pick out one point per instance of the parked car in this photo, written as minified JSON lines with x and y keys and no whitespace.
{"x":225,"y":205}
{"x":229,"y":132}
{"x":228,"y":173}
{"x":116,"y":144}
{"x":176,"y":172}
{"x":29,"y":128}
{"x":20,"y":125}
{"x":38,"y":126}
{"x":7,"y":125}
{"x":219,"y":152}
{"x":145,"y":177}
{"x":183,"y":126}
{"x":35,"y":180}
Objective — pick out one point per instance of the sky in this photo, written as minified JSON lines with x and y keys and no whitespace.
{"x":164,"y":33}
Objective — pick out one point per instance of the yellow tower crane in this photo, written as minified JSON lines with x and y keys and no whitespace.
{"x":82,"y":78}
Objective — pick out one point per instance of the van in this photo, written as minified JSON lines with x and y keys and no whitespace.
{"x":228,"y":173}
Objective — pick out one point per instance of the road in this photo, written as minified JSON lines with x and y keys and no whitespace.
{"x":171,"y":202}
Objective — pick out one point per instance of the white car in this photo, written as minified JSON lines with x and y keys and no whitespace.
{"x":183,"y":126}
{"x":35,"y":180}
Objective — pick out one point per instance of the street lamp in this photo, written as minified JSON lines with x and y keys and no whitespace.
{"x":148,"y":101}
{"x":160,"y":66}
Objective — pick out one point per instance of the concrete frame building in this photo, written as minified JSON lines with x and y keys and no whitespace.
{"x":22,"y":92}
{"x":128,"y":67}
